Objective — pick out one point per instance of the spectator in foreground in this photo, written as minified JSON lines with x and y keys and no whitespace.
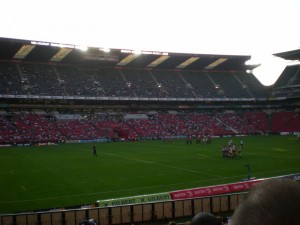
{"x":222,"y":220}
{"x":172,"y":223}
{"x":187,"y":223}
{"x":274,"y":202}
{"x":204,"y":218}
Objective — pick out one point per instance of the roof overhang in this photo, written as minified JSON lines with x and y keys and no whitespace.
{"x":48,"y":52}
{"x":23,"y":51}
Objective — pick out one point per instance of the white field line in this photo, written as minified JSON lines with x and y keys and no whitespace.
{"x":162,"y":165}
{"x":132,"y":189}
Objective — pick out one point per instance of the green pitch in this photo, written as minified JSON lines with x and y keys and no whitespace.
{"x":34,"y":178}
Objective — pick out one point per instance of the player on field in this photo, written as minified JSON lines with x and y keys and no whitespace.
{"x":94,"y":150}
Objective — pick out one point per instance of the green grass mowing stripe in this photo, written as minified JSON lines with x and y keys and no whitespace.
{"x":64,"y":175}
{"x":176,"y":168}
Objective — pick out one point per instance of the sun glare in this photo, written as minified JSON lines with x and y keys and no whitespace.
{"x":270,"y":69}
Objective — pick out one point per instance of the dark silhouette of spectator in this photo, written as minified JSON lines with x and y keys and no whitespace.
{"x":219,"y":219}
{"x":274,"y":201}
{"x":204,"y":218}
{"x":224,"y":220}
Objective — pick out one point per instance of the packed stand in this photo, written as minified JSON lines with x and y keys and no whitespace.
{"x":286,"y":122}
{"x":30,"y":127}
{"x":66,"y":80}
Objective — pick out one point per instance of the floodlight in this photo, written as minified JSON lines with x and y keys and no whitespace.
{"x":104,"y":49}
{"x":137,"y":52}
{"x":81,"y":47}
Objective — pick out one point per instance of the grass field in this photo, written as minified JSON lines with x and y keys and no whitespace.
{"x":45,"y":177}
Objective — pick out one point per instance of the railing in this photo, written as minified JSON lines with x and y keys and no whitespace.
{"x":131,"y":214}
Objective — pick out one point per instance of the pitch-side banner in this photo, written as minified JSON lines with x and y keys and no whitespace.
{"x":214,"y":190}
{"x":224,"y":188}
{"x":160,"y":197}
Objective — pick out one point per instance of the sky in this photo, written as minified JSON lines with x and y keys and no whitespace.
{"x":258,"y":28}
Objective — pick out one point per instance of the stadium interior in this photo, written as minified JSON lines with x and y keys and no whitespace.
{"x":46,"y":87}
{"x":53,"y":93}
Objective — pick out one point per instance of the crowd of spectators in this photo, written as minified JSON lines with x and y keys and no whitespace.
{"x":64,"y":80}
{"x":30,"y":127}
{"x":286,"y":121}
{"x":21,"y":127}
{"x":10,"y":79}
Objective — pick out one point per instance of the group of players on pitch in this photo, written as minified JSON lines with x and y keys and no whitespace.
{"x":200,"y":139}
{"x":231,"y":150}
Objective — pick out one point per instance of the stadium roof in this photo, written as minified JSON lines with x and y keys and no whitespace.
{"x":17,"y":50}
{"x":289,"y":55}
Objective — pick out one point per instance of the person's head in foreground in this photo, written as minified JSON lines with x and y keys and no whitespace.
{"x":204,"y":218}
{"x":271,"y":202}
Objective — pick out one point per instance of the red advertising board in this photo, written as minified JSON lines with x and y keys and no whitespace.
{"x":214,"y":190}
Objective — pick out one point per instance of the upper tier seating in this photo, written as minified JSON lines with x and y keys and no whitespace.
{"x":288,"y":84}
{"x":64,"y":80}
